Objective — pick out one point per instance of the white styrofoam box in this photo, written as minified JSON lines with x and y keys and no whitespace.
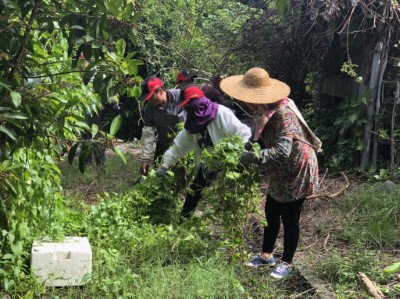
{"x":62,"y":264}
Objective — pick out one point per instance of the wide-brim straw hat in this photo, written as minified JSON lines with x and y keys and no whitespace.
{"x":255,"y":87}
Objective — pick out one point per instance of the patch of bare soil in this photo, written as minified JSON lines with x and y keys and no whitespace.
{"x":114,"y":176}
{"x":126,"y":147}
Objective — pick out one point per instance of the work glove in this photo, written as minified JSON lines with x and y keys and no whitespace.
{"x":161,"y":172}
{"x":248,"y":146}
{"x":248,"y":158}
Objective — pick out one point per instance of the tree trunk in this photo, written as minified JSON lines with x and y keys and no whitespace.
{"x":382,"y":69}
{"x":373,"y":87}
{"x":392,"y":127}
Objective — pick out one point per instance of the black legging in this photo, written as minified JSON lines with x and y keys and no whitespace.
{"x":201,"y":180}
{"x":290,"y":214}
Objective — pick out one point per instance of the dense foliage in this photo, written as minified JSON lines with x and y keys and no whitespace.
{"x":49,"y":54}
{"x":197,"y":35}
{"x":61,"y":61}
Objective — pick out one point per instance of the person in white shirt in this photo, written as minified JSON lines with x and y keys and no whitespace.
{"x":207,"y":123}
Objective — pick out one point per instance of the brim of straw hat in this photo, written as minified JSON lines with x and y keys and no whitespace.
{"x":236,"y":88}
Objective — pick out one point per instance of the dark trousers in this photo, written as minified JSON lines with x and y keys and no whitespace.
{"x":202,"y":179}
{"x":161,"y":148}
{"x":290,"y":215}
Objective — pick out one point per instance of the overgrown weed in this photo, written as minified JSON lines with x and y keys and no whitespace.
{"x":373,"y":217}
{"x":135,"y":255}
{"x":370,"y":228}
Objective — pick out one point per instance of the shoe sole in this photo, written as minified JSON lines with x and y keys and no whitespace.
{"x":260,"y":265}
{"x":276,"y":276}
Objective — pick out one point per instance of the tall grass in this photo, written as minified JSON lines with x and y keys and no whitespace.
{"x":372,"y":217}
{"x":371,"y":229}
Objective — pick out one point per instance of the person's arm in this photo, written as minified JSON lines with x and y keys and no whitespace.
{"x":147,"y":143}
{"x":184,"y":142}
{"x":284,"y":141}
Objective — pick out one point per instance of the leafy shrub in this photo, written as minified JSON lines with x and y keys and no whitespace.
{"x":234,"y":193}
{"x":34,"y":208}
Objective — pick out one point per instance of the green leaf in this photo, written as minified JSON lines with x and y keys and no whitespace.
{"x":88,"y":38}
{"x":95,"y":129}
{"x":7,"y":256}
{"x":353,"y":118}
{"x":5,"y":164}
{"x":9,"y":133}
{"x":132,"y":68}
{"x":120,"y":45}
{"x":132,"y":37}
{"x":14,"y":115}
{"x":83,"y":125}
{"x":128,"y":11}
{"x":138,"y":92}
{"x":17,"y":78}
{"x":16,"y":98}
{"x":233,"y":175}
{"x":137,"y":16}
{"x":115,"y":125}
{"x":23,"y":229}
{"x":72,"y":152}
{"x":100,"y":5}
{"x":96,"y":45}
{"x":87,"y":77}
{"x":392,"y":268}
{"x":282,"y":6}
{"x":86,"y":151}
{"x":119,"y":153}
{"x":14,"y":166}
{"x":77,"y":27}
{"x":11,"y":185}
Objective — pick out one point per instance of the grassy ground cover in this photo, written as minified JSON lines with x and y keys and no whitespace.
{"x":133,"y":257}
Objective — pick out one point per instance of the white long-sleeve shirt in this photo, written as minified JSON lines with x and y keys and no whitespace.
{"x":225,"y":124}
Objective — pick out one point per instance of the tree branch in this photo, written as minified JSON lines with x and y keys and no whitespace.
{"x":18,"y":57}
{"x":56,"y":74}
{"x":328,"y":195}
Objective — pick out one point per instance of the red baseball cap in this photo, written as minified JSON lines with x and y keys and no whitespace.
{"x":149,"y":86}
{"x":192,"y":92}
{"x":184,"y":76}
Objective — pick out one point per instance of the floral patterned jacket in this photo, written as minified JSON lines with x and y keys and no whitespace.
{"x":289,"y":158}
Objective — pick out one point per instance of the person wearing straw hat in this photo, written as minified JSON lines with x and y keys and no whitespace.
{"x":207,"y":123}
{"x":288,"y":156}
